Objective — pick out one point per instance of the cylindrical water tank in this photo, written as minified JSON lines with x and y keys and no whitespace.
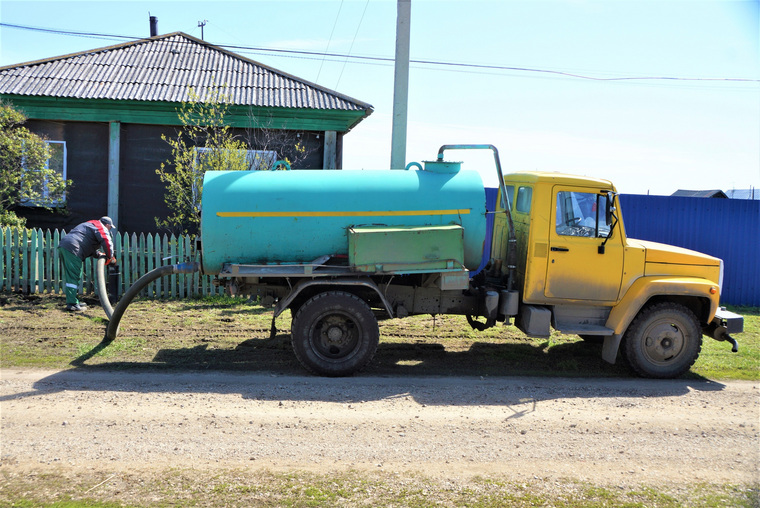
{"x":290,"y":217}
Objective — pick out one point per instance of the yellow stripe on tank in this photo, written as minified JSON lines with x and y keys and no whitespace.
{"x":463,"y":211}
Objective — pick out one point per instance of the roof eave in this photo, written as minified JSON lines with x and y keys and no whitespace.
{"x":165,"y":113}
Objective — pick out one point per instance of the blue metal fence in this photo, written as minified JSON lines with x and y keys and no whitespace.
{"x":491,"y":195}
{"x":725,"y":228}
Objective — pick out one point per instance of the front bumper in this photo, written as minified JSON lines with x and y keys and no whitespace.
{"x":733,"y":323}
{"x":723,"y":324}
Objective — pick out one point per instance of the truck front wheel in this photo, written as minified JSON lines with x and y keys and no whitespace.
{"x":663,"y":341}
{"x":334,"y":334}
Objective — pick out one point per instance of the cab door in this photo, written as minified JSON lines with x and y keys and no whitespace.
{"x":578,"y":269}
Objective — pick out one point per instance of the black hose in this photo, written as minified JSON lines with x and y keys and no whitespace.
{"x":118,"y":312}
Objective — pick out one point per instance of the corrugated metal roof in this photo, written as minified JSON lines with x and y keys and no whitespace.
{"x":713,"y":193}
{"x":163,"y":68}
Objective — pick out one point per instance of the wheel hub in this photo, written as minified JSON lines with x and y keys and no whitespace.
{"x":335,"y":336}
{"x":664,"y":342}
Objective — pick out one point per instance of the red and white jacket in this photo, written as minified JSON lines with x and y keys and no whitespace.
{"x":84,"y":240}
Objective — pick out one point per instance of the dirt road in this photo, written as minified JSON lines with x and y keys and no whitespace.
{"x":607,"y":432}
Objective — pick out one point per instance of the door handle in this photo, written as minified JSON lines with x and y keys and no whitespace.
{"x":560,"y":249}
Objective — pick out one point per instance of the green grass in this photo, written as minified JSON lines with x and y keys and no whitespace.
{"x":716,"y":361}
{"x":232,"y":487}
{"x":225,"y":333}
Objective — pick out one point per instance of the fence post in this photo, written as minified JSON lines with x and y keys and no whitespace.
{"x":47,"y":273}
{"x":24,"y":262}
{"x":57,"y":275}
{"x":180,"y":259}
{"x":126,"y":268}
{"x":149,"y":264}
{"x":5,"y":257}
{"x":141,"y":261}
{"x":173,"y":256}
{"x":39,"y":260}
{"x":157,"y":256}
{"x":134,"y":258}
{"x":196,"y":275}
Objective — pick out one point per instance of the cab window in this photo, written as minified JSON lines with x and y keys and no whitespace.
{"x":524,"y":197}
{"x":582,"y":214}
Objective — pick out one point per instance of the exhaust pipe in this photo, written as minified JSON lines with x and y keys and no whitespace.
{"x":720,"y":333}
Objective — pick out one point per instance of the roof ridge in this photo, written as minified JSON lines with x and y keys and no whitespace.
{"x":103,"y":49}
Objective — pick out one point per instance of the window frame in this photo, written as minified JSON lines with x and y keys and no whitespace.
{"x":598,"y":214}
{"x":44,"y":191}
{"x":521,"y":200}
{"x":251,"y":156}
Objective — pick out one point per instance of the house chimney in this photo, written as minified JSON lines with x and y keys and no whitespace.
{"x":153,"y":26}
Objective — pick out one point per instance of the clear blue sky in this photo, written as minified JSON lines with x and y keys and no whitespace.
{"x":645,"y":135}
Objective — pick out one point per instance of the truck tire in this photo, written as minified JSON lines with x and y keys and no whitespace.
{"x":335,"y":334}
{"x":663,"y":341}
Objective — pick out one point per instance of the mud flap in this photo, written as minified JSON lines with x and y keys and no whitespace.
{"x":610,"y":347}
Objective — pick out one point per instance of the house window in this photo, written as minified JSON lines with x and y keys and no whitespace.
{"x":56,"y":162}
{"x":255,"y":160}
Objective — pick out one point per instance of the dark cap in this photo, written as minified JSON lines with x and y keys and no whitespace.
{"x":107,"y":221}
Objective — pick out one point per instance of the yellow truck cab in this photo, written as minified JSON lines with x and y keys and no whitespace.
{"x":577,"y":272}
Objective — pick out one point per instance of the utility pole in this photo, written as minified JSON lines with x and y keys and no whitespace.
{"x":202,"y":24}
{"x":401,"y":85}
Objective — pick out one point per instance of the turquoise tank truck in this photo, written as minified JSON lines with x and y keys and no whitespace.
{"x":342,"y":248}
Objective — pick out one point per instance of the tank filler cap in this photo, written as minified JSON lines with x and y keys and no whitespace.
{"x":440,"y":166}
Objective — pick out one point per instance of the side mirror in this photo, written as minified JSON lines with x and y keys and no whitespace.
{"x":609,"y":217}
{"x":610,"y":208}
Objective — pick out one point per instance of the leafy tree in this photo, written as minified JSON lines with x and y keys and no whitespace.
{"x":207,"y":143}
{"x":204,"y":143}
{"x":25,"y":176}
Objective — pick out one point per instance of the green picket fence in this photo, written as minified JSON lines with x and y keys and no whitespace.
{"x":30,"y":264}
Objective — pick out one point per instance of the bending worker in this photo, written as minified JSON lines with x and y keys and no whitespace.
{"x":82,"y":242}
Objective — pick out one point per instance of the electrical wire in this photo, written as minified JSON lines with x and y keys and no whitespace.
{"x":337,"y":16}
{"x":434,"y":63}
{"x":351,"y":47}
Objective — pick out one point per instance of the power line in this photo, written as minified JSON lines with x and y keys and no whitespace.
{"x":340,"y":7}
{"x":436,"y":63}
{"x":350,"y":48}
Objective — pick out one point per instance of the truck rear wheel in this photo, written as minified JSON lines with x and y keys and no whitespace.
{"x":663,"y":341}
{"x":335,"y":334}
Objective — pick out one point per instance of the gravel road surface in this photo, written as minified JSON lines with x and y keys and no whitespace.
{"x":604,"y":431}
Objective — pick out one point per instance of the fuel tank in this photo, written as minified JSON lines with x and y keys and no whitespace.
{"x":292,"y":217}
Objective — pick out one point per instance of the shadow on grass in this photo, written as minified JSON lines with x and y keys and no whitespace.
{"x":80,"y":361}
{"x":481,"y":359}
{"x":511,"y":375}
{"x":274,"y":355}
